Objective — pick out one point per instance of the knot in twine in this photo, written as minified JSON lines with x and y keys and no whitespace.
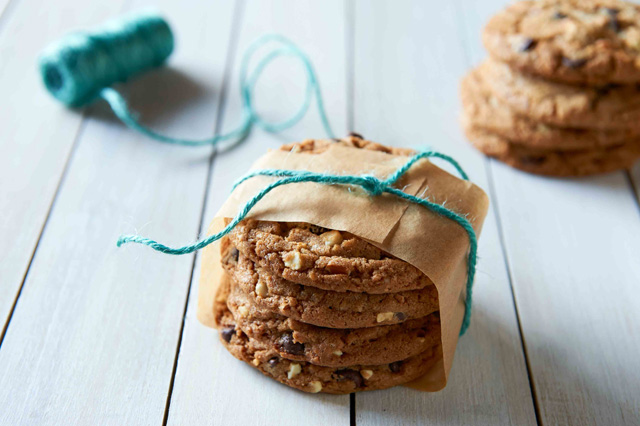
{"x":371,"y":184}
{"x":81,"y":67}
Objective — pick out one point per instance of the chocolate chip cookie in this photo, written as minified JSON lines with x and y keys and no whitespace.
{"x":556,"y":163}
{"x":313,"y":378}
{"x":483,"y":110}
{"x":595,"y":42}
{"x":615,"y":107}
{"x":270,"y":293}
{"x":327,"y":259}
{"x":298,"y":341}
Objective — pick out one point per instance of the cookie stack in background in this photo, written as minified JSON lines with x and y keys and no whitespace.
{"x":322,"y":310}
{"x":559,"y":94}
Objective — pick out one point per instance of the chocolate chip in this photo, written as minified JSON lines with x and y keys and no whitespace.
{"x":234,"y":254}
{"x":273,"y":361}
{"x":614,"y":24}
{"x":532,"y":159}
{"x":559,"y":15}
{"x":611,"y":11}
{"x":288,"y":345}
{"x":601,"y":91}
{"x":395,"y":366}
{"x":227,"y":333}
{"x":315,"y":229}
{"x":356,"y":135}
{"x":231,"y":256}
{"x":527,"y":45}
{"x":573,"y":63}
{"x":400,"y":316}
{"x":349,"y":374}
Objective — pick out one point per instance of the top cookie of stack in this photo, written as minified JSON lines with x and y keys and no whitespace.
{"x":559,"y":94}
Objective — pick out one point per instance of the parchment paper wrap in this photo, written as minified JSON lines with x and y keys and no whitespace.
{"x":436,"y":245}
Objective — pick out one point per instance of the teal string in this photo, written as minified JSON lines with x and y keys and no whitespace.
{"x":373,"y":185}
{"x":248,"y":80}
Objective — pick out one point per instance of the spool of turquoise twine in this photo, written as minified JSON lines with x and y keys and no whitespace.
{"x":81,"y":67}
{"x":78,"y":67}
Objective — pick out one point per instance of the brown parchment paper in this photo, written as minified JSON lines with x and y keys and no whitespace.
{"x":436,"y":245}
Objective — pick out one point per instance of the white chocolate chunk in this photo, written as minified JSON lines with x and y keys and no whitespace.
{"x":386,"y":316}
{"x":315,"y":386}
{"x":261,"y":289}
{"x":332,"y":238}
{"x":366,"y":374}
{"x":293,"y":260}
{"x":243,"y":311}
{"x":294,"y":370}
{"x":337,"y":353}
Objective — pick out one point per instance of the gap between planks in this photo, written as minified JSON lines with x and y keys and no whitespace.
{"x":226,"y":79}
{"x":488,"y":166}
{"x":496,"y":210}
{"x":350,"y":21}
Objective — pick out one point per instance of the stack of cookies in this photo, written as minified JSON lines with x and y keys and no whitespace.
{"x":322,"y":310}
{"x":560,"y":93}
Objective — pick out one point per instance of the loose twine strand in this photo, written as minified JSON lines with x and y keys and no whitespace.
{"x":248,"y":80}
{"x":371,"y":184}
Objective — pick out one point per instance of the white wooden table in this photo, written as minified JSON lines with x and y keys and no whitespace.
{"x":93,"y":334}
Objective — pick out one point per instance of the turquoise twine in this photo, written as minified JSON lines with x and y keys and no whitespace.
{"x":80,"y":67}
{"x":369,"y":183}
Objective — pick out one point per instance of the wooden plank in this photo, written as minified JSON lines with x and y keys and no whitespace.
{"x":94,"y":335}
{"x":36,"y":132}
{"x":575,"y":273}
{"x":406,"y":79}
{"x":211,"y":386}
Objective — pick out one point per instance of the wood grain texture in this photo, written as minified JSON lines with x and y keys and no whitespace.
{"x":574,"y":262}
{"x":95,"y":331}
{"x":212,"y":387}
{"x":406,"y":94}
{"x":34,"y":152}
